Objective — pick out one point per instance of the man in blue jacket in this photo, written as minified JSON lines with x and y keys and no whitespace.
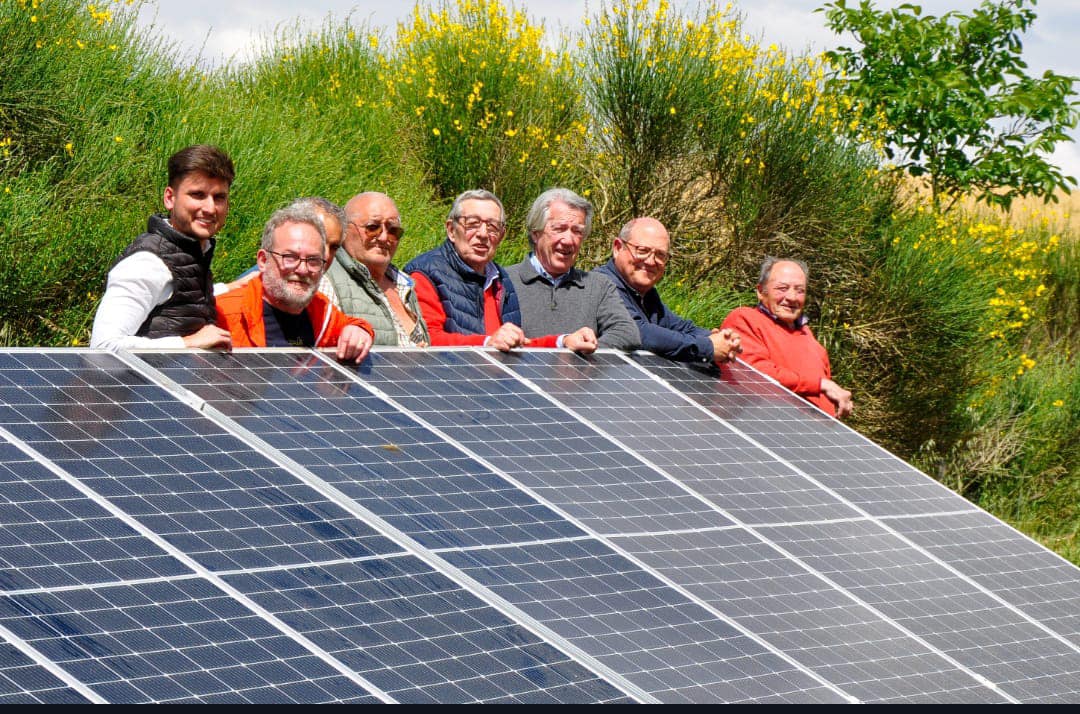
{"x":639,"y":257}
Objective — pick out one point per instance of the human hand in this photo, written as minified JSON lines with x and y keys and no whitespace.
{"x":507,"y":337}
{"x":582,"y":341}
{"x":838,"y":396}
{"x":726,"y":345}
{"x":209,"y":337}
{"x":354,"y":343}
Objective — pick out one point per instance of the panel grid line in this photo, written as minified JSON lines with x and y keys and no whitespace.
{"x":56,"y":670}
{"x":751,"y":530}
{"x":875,"y":519}
{"x":197,"y":568}
{"x":84,"y":586}
{"x":596,"y":536}
{"x":399,"y":538}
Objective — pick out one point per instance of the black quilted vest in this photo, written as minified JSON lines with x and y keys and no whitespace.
{"x":192,"y":303}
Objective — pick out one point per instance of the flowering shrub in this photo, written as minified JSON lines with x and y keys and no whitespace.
{"x":493,"y":106}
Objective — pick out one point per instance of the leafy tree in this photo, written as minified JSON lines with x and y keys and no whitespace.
{"x":952,"y":98}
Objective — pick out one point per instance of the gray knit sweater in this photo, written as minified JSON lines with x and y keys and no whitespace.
{"x":580,"y":300}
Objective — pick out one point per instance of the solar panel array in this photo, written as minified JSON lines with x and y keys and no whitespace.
{"x":469,"y":526}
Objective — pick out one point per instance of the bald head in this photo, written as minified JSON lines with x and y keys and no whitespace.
{"x":373,"y":230}
{"x":641,"y":253}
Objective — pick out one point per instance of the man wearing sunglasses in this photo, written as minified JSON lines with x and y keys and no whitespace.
{"x":366,"y":282}
{"x":465,"y":296}
{"x":639,"y":257}
{"x":282,"y":307}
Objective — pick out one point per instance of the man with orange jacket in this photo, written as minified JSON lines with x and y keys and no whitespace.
{"x":282,"y":306}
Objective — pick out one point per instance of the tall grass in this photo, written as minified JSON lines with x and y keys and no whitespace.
{"x":958,"y":336}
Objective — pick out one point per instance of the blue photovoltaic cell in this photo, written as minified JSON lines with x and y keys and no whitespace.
{"x":179,"y":641}
{"x":262,"y":373}
{"x":537,"y":443}
{"x":22,"y":681}
{"x":420,"y":637}
{"x":694,"y":447}
{"x":840,"y":459}
{"x":678,"y":437}
{"x":630,"y":621}
{"x":1020,"y":571}
{"x":950,"y":613}
{"x":402,"y":472}
{"x":805,"y":617}
{"x":702,"y":533}
{"x":175,"y":471}
{"x":54,"y":536}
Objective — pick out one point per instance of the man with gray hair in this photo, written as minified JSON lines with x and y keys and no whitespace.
{"x":333,"y":220}
{"x":282,"y":306}
{"x":465,"y":296}
{"x":580,"y":311}
{"x":777,"y":340}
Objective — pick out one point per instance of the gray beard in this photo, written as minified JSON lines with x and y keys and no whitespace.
{"x":285,"y":299}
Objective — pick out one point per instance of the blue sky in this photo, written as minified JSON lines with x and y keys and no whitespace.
{"x":217,"y":30}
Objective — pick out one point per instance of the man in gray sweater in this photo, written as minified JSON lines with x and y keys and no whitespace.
{"x":574,"y":309}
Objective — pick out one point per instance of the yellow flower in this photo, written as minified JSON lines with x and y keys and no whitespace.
{"x":1059,"y":402}
{"x":69,"y":148}
{"x":435,"y":131}
{"x":118,"y":139}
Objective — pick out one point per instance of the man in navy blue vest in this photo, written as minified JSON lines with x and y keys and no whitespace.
{"x":466,"y":298}
{"x":159,"y":292}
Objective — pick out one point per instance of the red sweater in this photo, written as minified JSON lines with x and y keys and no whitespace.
{"x":792,"y":357}
{"x":435,"y":317}
{"x":240,"y":311}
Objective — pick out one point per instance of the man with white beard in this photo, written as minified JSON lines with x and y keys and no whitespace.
{"x":282,"y":306}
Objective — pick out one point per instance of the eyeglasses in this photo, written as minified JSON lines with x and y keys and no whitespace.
{"x":640,"y":252}
{"x":292,"y":261}
{"x":373,"y":229}
{"x":472,"y":224}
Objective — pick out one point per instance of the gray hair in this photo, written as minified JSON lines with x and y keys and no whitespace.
{"x":541,"y":210}
{"x":323,"y":207}
{"x":477,"y":194}
{"x":770,"y":261}
{"x":295,"y":212}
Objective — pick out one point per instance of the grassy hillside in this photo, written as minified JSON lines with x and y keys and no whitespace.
{"x":958,"y":335}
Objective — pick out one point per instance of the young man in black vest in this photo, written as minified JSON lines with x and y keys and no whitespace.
{"x":160,"y":292}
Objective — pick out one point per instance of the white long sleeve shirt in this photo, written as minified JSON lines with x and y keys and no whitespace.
{"x":136,"y":285}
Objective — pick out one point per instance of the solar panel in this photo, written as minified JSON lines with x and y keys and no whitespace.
{"x":230,"y":510}
{"x":463,"y":525}
{"x":438,"y":494}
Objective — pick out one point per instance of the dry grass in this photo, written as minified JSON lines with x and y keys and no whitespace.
{"x":1063,"y":217}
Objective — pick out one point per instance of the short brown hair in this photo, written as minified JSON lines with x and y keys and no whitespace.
{"x":202,"y":157}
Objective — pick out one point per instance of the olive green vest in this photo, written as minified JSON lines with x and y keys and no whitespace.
{"x":359,"y":296}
